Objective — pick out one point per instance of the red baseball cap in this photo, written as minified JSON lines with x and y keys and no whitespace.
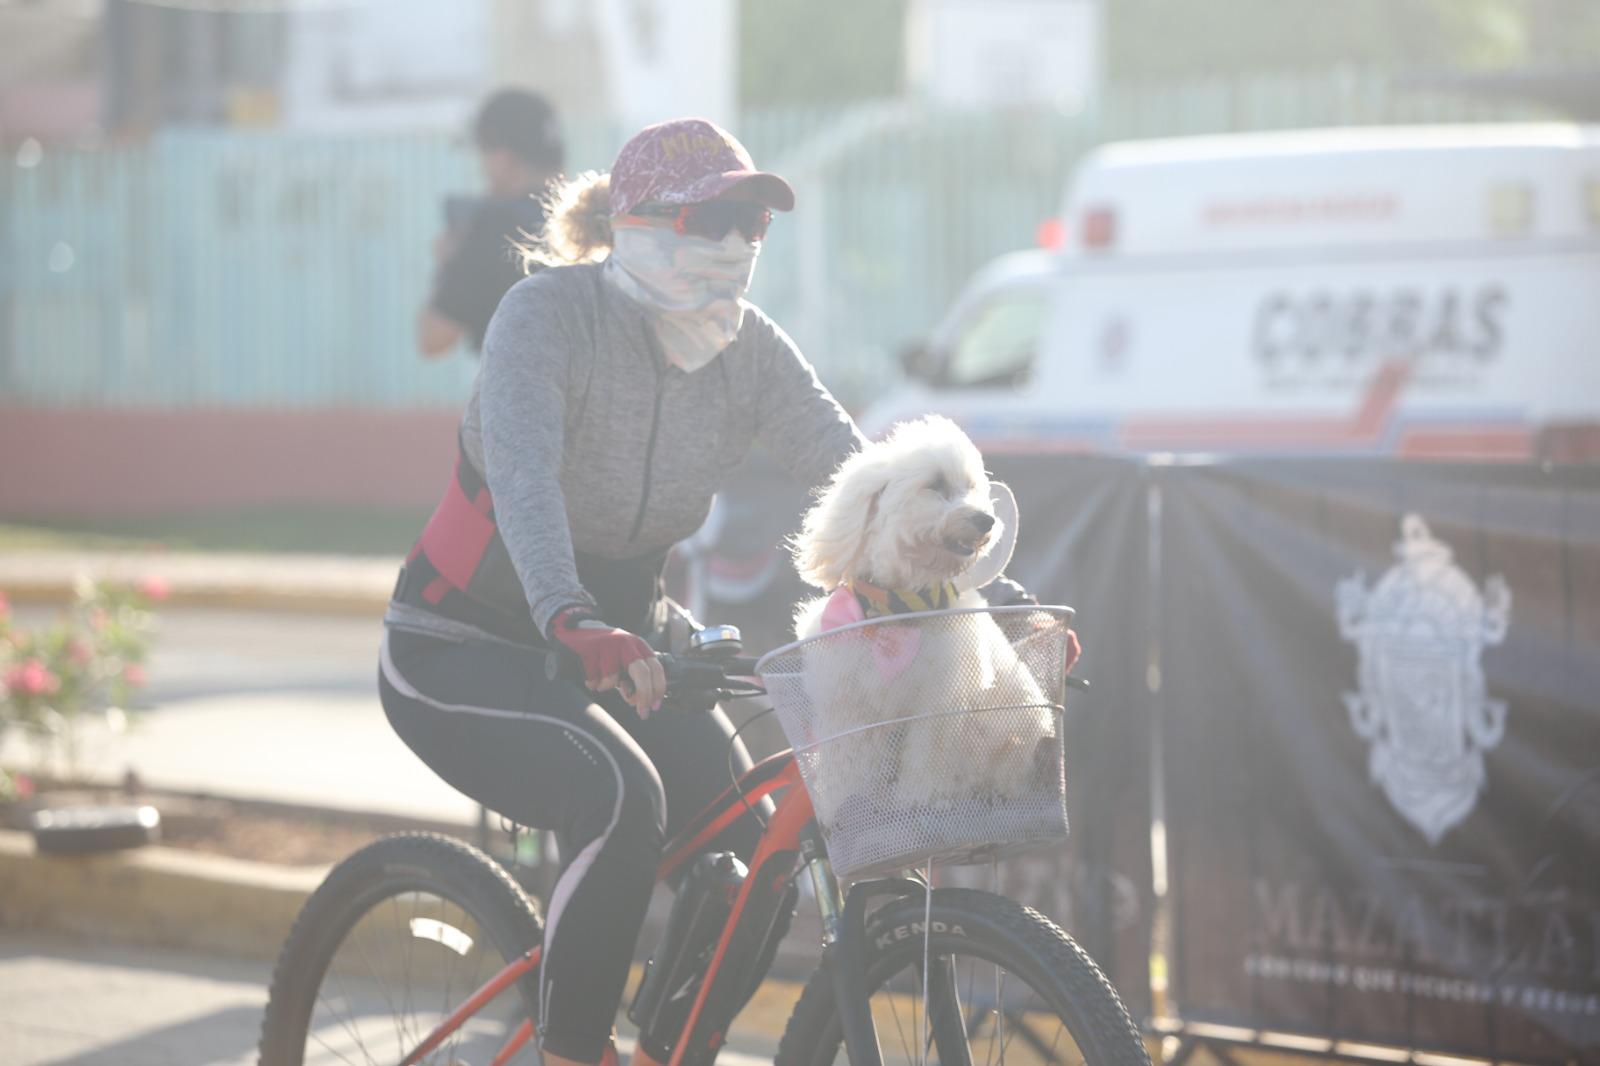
{"x":689,"y":161}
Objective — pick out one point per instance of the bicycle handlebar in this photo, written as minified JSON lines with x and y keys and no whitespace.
{"x":696,"y":675}
{"x":684,"y":674}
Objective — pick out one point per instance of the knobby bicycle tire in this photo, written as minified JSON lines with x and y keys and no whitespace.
{"x":980,"y":925}
{"x":393,"y":865}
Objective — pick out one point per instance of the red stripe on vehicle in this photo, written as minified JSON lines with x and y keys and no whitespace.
{"x":1467,"y":443}
{"x":1366,"y":425}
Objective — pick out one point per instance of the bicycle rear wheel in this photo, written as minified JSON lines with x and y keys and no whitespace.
{"x":400,"y":934}
{"x":1010,"y":988}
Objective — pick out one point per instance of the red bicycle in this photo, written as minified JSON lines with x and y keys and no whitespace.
{"x":422,"y":949}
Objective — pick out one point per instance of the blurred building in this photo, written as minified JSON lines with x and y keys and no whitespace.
{"x":401,"y":64}
{"x":1009,"y":53}
{"x":177,"y":64}
{"x":412,"y":65}
{"x":49,"y":69}
{"x":635,"y":61}
{"x":71,"y":68}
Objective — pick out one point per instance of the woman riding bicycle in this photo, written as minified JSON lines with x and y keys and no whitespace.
{"x":617,"y":393}
{"x":614,"y":398}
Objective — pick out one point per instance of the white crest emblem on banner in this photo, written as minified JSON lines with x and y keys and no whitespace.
{"x":1422,"y":703}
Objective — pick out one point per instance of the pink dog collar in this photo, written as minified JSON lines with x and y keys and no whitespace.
{"x":894,"y":648}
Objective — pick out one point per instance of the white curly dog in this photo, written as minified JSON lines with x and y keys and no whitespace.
{"x":909,"y":523}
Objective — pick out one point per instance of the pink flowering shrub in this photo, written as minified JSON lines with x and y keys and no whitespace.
{"x":91,"y":659}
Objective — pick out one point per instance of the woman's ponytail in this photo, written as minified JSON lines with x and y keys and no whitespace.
{"x":577,"y":226}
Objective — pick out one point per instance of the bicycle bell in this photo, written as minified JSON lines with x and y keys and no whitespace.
{"x":716,"y":642}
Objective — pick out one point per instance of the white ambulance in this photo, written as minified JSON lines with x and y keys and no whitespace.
{"x":1428,"y":291}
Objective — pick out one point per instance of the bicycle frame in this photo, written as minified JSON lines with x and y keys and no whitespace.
{"x":790,"y":835}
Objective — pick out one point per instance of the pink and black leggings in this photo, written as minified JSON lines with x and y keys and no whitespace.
{"x":484,"y":717}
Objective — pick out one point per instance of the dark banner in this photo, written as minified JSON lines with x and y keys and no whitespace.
{"x":1083,"y":542}
{"x":1380,"y":700}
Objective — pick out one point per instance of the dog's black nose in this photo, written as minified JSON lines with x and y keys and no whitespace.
{"x":984,"y":522}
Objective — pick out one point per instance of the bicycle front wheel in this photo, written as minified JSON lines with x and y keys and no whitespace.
{"x":1008,"y":988}
{"x":400,"y":935}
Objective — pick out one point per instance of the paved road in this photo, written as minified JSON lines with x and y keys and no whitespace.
{"x":267,"y":705}
{"x":67,"y":1003}
{"x":72,"y":1004}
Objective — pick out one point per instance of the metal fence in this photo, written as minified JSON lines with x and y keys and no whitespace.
{"x":219,"y":267}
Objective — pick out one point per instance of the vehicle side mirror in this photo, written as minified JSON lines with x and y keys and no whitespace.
{"x":919,"y":362}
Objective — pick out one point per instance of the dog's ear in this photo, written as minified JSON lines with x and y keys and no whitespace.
{"x":997,"y":555}
{"x":833,"y":537}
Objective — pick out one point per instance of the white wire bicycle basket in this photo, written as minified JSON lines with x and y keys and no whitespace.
{"x":933,"y":736}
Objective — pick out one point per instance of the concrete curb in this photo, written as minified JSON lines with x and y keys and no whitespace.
{"x":322,"y":584}
{"x":237,"y":597}
{"x":159,"y":897}
{"x":170,"y":898}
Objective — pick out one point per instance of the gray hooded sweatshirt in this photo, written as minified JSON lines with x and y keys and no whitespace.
{"x":586,"y":436}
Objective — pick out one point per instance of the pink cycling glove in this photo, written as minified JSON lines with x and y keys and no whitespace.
{"x":605,"y":650}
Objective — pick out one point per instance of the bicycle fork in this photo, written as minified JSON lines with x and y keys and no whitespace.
{"x":844,"y":953}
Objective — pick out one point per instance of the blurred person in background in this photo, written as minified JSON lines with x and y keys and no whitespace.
{"x":520,"y":154}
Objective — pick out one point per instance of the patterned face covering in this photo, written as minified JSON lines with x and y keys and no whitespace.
{"x":695,"y":287}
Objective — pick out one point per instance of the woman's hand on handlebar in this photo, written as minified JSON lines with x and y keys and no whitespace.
{"x":646,"y":685}
{"x":684,"y":675}
{"x":612,"y":658}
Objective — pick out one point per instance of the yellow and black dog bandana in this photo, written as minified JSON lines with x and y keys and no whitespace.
{"x":877,"y":602}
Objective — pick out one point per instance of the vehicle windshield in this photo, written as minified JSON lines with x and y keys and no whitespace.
{"x":997,"y":347}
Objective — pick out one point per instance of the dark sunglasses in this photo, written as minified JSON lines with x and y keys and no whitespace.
{"x":713,"y":219}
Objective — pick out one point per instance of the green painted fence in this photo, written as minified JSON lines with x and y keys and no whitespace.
{"x":217,"y":267}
